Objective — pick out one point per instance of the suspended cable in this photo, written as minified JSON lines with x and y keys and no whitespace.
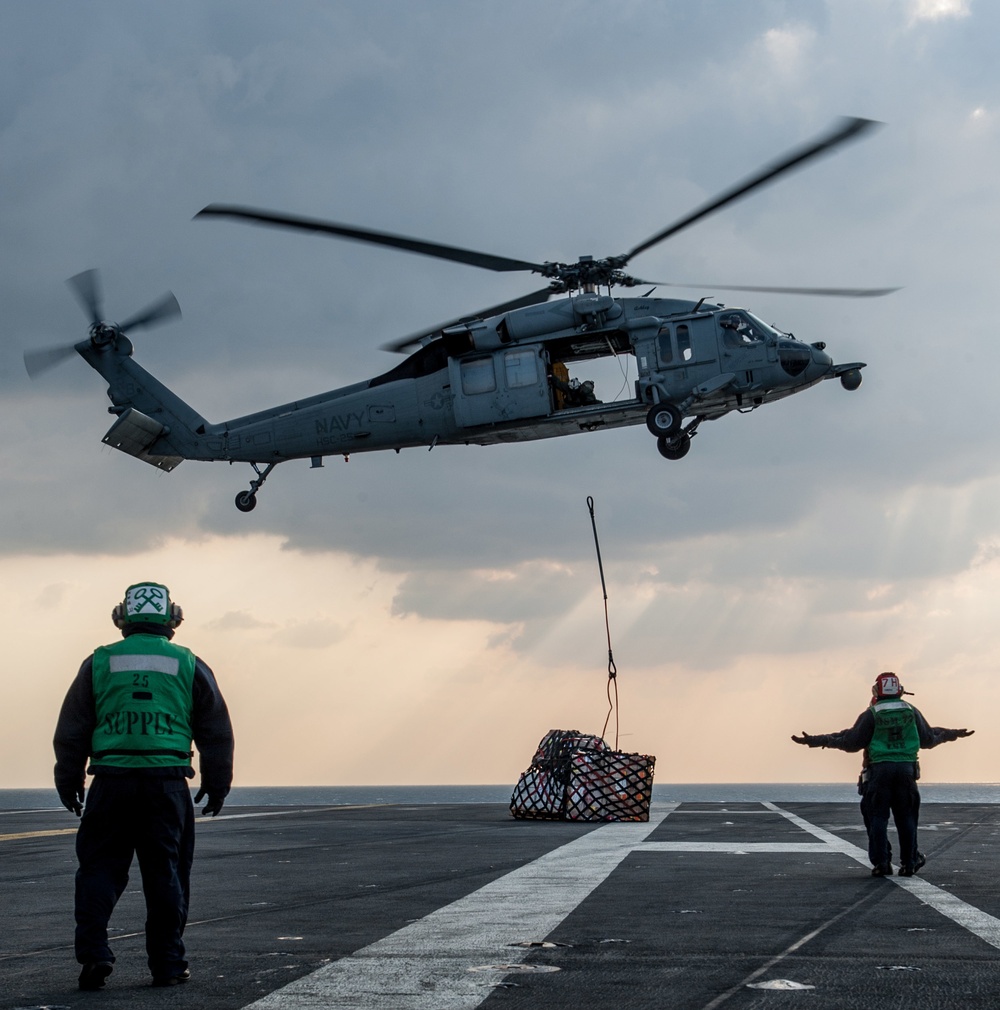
{"x":612,"y":670}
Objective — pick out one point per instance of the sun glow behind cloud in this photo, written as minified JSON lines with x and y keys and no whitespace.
{"x":938,"y":10}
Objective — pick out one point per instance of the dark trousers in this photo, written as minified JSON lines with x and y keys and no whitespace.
{"x":150,"y":817}
{"x":892,"y":788}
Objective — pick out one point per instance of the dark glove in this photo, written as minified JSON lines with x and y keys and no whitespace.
{"x":963,"y":732}
{"x":215,"y":801}
{"x":72,"y":798}
{"x":807,"y":740}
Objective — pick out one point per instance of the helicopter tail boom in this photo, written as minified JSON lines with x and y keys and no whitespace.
{"x":153,"y":423}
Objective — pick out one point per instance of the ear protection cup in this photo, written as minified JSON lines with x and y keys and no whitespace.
{"x":176,"y":616}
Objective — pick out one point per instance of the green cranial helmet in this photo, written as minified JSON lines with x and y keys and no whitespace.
{"x":147,"y":603}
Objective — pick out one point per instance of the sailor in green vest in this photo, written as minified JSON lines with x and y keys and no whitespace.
{"x":890,"y":732}
{"x":133,"y":712}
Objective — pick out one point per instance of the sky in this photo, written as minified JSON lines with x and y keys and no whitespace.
{"x":426,"y":617}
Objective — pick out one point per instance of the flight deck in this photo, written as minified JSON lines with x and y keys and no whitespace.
{"x":399,"y":907}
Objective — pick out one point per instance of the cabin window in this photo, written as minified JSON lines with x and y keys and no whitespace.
{"x":521,"y":368}
{"x":684,"y":343}
{"x":663,"y":346}
{"x":478,"y":376}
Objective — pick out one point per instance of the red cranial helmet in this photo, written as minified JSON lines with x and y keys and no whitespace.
{"x":887,"y":685}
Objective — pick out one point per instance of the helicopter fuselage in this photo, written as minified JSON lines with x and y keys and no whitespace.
{"x":499,"y":375}
{"x":490,"y":381}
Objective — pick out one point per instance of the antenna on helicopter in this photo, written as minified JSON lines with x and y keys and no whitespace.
{"x":612,"y":669}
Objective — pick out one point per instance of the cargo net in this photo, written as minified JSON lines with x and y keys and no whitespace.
{"x":576,"y":777}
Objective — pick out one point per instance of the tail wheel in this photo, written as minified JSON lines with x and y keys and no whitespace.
{"x":674,"y":448}
{"x":664,"y":420}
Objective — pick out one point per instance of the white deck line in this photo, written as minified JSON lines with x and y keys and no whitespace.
{"x":976,"y":921}
{"x":738,"y":848}
{"x":426,"y":965}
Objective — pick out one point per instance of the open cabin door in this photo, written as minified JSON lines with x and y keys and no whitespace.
{"x":500,"y":386}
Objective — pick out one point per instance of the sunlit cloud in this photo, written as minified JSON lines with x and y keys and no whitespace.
{"x":938,"y":10}
{"x":981,"y":122}
{"x":788,"y":47}
{"x":237,"y":620}
{"x":315,"y":634}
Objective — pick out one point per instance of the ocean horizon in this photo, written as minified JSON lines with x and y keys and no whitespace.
{"x":753,"y":792}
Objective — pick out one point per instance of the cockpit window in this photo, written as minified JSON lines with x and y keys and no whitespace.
{"x":740,"y":329}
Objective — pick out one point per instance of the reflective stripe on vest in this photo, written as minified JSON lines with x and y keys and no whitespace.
{"x":896,"y":737}
{"x":143,"y":696}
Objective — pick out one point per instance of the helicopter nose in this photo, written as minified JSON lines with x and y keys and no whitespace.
{"x":820,"y":357}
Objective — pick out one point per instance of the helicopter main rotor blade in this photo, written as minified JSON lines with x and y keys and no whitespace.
{"x":87,"y":288}
{"x":435,"y":249}
{"x":829,"y":292}
{"x":37,"y":362}
{"x":166,"y":308}
{"x":846,"y":129}
{"x":535,"y":298}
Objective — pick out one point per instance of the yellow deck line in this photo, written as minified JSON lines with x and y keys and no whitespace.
{"x":37,"y":834}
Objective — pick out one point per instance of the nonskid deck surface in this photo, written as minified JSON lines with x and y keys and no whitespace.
{"x":708,"y":905}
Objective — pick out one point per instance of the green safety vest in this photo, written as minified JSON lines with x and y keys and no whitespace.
{"x":143,"y":696}
{"x":896,"y":737}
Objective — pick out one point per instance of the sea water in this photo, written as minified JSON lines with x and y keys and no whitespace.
{"x":754,"y":792}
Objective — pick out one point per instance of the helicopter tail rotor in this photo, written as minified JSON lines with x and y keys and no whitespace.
{"x":38,"y":362}
{"x":159,"y":311}
{"x":87,"y":289}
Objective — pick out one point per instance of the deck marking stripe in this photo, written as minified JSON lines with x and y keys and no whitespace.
{"x":975,"y":920}
{"x":400,"y":972}
{"x":201,"y":820}
{"x":737,"y":848}
{"x":288,"y":813}
{"x":37,"y":834}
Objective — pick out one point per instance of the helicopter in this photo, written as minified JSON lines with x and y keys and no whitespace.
{"x":499,"y":375}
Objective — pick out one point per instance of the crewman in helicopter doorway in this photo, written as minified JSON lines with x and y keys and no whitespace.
{"x":890,"y":732}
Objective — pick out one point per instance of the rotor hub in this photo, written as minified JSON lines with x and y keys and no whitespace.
{"x":103,"y":334}
{"x":588,"y":273}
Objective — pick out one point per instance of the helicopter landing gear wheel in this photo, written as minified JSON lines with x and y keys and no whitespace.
{"x":664,"y":420}
{"x":246,"y":501}
{"x":674,"y":448}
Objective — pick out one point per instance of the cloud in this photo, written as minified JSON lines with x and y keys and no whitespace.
{"x":830,"y":529}
{"x":938,"y":10}
{"x":319,"y":633}
{"x":238,"y":621}
{"x":789,"y":50}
